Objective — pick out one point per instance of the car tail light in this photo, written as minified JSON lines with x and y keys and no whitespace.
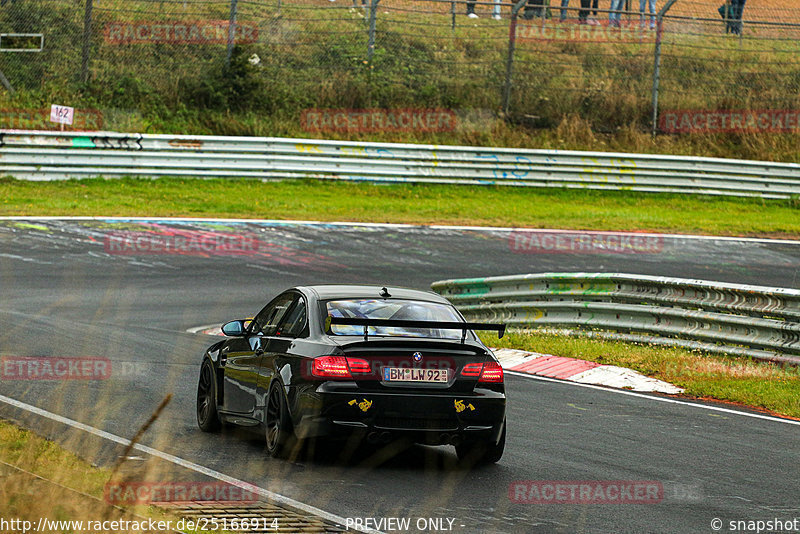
{"x":492,"y":372}
{"x":358,"y":365}
{"x":485,"y":372}
{"x":472,"y":370}
{"x":339,"y":367}
{"x":331,"y":367}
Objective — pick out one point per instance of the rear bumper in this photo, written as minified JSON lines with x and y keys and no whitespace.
{"x":440,"y":418}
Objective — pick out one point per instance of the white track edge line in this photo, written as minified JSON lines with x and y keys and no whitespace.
{"x":397,"y":225}
{"x":278,"y":498}
{"x":657,"y":398}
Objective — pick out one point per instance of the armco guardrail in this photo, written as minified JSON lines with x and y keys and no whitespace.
{"x":760,"y":322}
{"x":59,"y":155}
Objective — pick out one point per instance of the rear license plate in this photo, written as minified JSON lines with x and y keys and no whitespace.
{"x":404,"y":374}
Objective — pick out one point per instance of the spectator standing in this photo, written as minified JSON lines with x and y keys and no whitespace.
{"x":534,"y":8}
{"x":615,"y":16}
{"x":737,"y":8}
{"x":583,"y":14}
{"x":593,"y":21}
{"x":731,"y":12}
{"x":471,"y":9}
{"x":652,"y":5}
{"x":564,"y":5}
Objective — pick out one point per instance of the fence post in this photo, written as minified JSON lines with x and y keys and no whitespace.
{"x":657,"y":62}
{"x":87,"y":41}
{"x":512,"y":45}
{"x":373,"y":11}
{"x":231,"y":33}
{"x":727,"y":16}
{"x":453,"y":15}
{"x":7,"y":84}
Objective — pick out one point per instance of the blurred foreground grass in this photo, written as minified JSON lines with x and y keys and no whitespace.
{"x":40,"y":479}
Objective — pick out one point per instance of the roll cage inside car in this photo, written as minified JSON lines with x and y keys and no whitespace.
{"x":285,"y":316}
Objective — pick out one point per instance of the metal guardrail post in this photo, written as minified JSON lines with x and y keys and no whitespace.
{"x":657,"y":62}
{"x":231,"y":33}
{"x":373,"y":15}
{"x":512,"y":45}
{"x":87,"y":41}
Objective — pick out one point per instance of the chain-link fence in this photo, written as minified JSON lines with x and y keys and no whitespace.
{"x":721,"y":71}
{"x":680,"y":67}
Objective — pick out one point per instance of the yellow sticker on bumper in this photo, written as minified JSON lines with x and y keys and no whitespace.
{"x":460,"y":406}
{"x":364,"y":405}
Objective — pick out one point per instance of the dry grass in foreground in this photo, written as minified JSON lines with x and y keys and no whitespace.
{"x":39,"y":479}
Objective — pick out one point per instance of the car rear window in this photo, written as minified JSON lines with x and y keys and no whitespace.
{"x":407,"y":310}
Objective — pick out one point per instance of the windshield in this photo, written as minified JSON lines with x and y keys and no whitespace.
{"x":407,"y":310}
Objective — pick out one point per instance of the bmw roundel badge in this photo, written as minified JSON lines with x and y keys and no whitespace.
{"x":417,"y":356}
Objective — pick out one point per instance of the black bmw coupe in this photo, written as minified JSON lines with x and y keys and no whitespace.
{"x":331,"y":361}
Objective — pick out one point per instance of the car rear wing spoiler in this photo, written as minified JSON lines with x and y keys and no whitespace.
{"x":444,"y":325}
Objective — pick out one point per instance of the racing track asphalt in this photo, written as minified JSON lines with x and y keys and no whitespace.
{"x":64,"y":294}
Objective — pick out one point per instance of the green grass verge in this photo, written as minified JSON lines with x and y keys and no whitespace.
{"x":404,"y":203}
{"x":750,"y":382}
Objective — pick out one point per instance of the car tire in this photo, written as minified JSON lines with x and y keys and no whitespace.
{"x":207,"y":416}
{"x":483,"y":452}
{"x":277,"y":424}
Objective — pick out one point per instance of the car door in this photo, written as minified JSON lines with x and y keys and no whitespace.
{"x":244,"y":356}
{"x":279,"y":346}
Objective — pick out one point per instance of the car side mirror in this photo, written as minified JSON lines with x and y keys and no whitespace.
{"x":233,"y":328}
